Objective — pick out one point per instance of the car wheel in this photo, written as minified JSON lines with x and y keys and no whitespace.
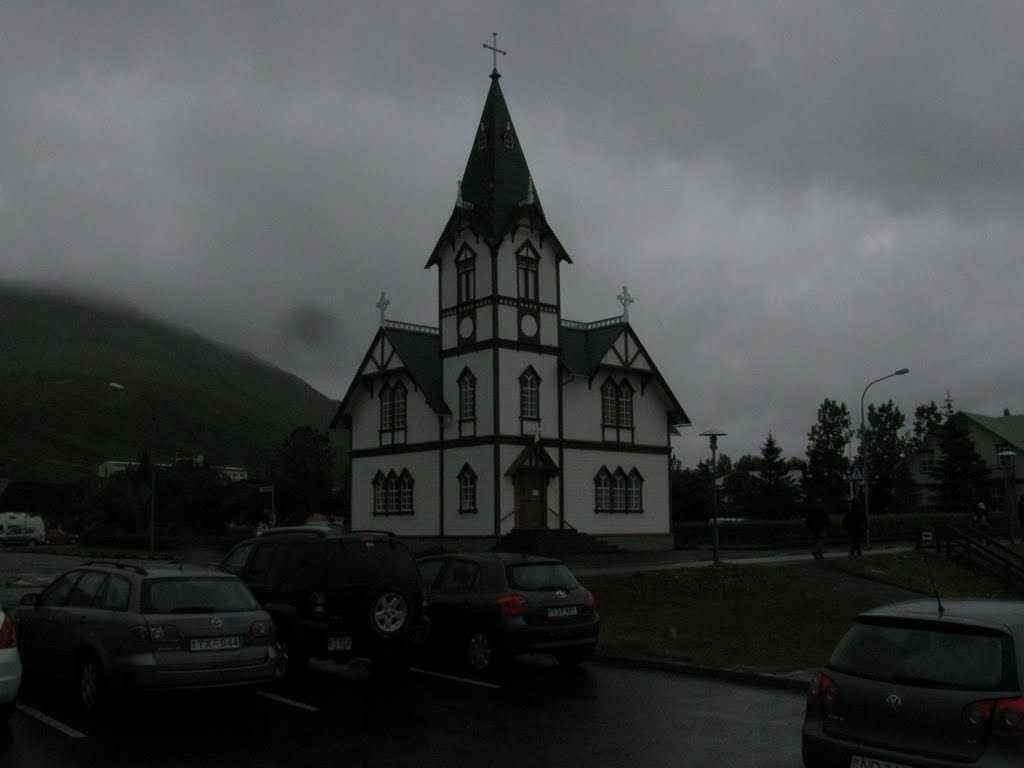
{"x":91,"y":685}
{"x":481,"y":655}
{"x":575,"y":656}
{"x":291,"y":663}
{"x":389,"y":613}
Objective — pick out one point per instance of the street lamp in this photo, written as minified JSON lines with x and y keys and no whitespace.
{"x":867,"y":472}
{"x":152,"y":475}
{"x":712,"y":434}
{"x":1008,"y":460}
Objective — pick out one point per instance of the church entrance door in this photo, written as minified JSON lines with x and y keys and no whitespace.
{"x":531,"y":499}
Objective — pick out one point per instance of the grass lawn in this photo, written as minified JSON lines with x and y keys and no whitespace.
{"x":766,"y":618}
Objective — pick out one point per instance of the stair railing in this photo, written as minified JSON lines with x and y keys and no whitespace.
{"x":983,"y":552}
{"x":560,"y":523}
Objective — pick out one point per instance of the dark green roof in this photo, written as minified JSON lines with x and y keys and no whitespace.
{"x":421,"y":354}
{"x":497,"y":180}
{"x":1009,"y":428}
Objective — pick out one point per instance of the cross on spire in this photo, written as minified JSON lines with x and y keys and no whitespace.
{"x":382,"y":305}
{"x":625,"y":300}
{"x":496,"y":50}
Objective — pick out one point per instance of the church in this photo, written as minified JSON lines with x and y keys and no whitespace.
{"x":507,"y":415}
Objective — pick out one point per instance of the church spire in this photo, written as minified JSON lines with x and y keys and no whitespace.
{"x":497,"y":181}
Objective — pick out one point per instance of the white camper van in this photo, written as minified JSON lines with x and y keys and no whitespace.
{"x":27,"y":529}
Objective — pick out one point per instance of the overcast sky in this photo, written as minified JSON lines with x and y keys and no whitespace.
{"x":802,"y":195}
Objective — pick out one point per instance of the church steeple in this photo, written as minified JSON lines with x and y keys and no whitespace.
{"x":497,"y":182}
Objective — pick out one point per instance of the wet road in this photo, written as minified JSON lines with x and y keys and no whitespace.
{"x":539,"y":715}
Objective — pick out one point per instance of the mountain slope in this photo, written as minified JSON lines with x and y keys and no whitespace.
{"x":182,"y":395}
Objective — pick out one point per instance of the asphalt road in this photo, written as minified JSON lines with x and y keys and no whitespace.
{"x":539,"y":715}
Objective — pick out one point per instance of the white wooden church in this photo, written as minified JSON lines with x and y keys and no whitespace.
{"x":507,"y":415}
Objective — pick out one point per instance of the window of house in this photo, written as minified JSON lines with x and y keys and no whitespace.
{"x":609,"y":403}
{"x":392,"y":488}
{"x":509,"y":141}
{"x":380,"y":497}
{"x":634,"y":492}
{"x":465,"y":269}
{"x":398,"y":398}
{"x":927,"y":459}
{"x":619,"y":490}
{"x":467,"y":489}
{"x":603,"y":491}
{"x":528,"y":278}
{"x":385,"y":407}
{"x":405,"y":492}
{"x":625,"y":405}
{"x":1004,"y":462}
{"x":529,"y":395}
{"x":481,"y":141}
{"x":467,"y":395}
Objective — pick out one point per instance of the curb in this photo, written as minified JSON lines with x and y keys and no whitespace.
{"x":797,"y":681}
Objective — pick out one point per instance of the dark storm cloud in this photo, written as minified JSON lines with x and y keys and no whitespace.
{"x":802,"y":196}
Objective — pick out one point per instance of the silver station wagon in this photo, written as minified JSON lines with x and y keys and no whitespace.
{"x":115,"y":627}
{"x":922,"y":684}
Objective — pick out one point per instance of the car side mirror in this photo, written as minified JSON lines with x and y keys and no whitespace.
{"x":30,"y":599}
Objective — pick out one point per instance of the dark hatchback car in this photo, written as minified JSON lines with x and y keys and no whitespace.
{"x":912,"y":685}
{"x":114,"y":628}
{"x":334,"y":594}
{"x":488,"y":607}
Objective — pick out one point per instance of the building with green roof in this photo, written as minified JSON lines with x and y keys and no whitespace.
{"x":506,"y":414}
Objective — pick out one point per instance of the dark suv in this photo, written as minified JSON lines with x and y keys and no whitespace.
{"x":334,"y":594}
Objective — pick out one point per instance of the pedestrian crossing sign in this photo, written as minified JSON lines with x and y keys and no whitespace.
{"x":857,"y":473}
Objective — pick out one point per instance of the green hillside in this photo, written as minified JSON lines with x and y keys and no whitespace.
{"x":183,"y":395}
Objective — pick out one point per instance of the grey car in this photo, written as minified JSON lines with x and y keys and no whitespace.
{"x":922,"y":684}
{"x":114,"y":627}
{"x":23,"y":535}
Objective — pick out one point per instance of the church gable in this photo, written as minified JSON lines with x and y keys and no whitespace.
{"x":626,"y":352}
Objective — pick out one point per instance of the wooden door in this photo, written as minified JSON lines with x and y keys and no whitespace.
{"x":531,"y":500}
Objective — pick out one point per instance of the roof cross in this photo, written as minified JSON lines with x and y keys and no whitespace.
{"x":625,"y":300}
{"x":496,"y":50}
{"x":382,"y":305}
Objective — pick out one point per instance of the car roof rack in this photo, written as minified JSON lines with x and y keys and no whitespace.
{"x":123,"y":566}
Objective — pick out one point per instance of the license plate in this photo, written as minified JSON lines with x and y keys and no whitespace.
{"x":214,"y":643}
{"x":339,"y":644}
{"x":569,"y":610}
{"x":869,"y":762}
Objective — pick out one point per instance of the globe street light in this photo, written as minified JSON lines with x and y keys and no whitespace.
{"x":867,"y":472}
{"x":152,"y":475}
{"x":713,"y":433}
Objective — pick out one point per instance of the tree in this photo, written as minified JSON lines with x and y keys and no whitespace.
{"x":927,"y":419}
{"x":883,"y":452}
{"x":303,"y":471}
{"x":962,"y":475}
{"x":772,"y":486}
{"x":828,"y":467}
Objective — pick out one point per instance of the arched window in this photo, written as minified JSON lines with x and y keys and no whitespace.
{"x":609,"y":403}
{"x":603,"y":491}
{"x":619,"y":490}
{"x":385,"y":407}
{"x":398,"y":398}
{"x":467,"y":395}
{"x":509,"y":141}
{"x":467,"y":489}
{"x":405,"y":492}
{"x":625,"y":404}
{"x":529,"y":394}
{"x":380,"y":498}
{"x":392,"y":486}
{"x":465,"y":271}
{"x":528,"y":277}
{"x":635,"y":492}
{"x":481,"y":141}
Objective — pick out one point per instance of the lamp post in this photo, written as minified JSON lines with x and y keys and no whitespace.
{"x":712,"y":434}
{"x":152,"y":474}
{"x":867,"y":471}
{"x":1008,"y":460}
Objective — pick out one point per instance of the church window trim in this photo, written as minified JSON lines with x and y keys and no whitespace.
{"x":399,"y":399}
{"x":380,"y":499}
{"x":386,"y":421}
{"x":625,"y":409}
{"x":393,"y":413}
{"x":529,"y":395}
{"x":481,"y":141}
{"x":619,"y":491}
{"x":467,"y":490}
{"x":635,"y":491}
{"x":603,"y":491}
{"x":405,"y":496}
{"x":617,"y":418}
{"x":510,"y":141}
{"x":465,"y":275}
{"x":393,"y":493}
{"x":609,"y":403}
{"x":467,"y":395}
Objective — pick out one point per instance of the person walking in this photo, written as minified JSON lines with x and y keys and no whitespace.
{"x":855,"y":522}
{"x":817,"y":523}
{"x":981,"y":519}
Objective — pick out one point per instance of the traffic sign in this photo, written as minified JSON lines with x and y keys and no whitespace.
{"x":857,"y":473}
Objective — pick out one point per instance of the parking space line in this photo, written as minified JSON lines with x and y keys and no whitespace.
{"x":455,"y":678}
{"x":289,"y":702}
{"x":67,"y":730}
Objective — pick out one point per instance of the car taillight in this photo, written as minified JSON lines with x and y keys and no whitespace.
{"x":512,"y":605}
{"x":823,"y":692}
{"x":166,"y":635}
{"x":259,"y":629}
{"x":8,"y":637}
{"x":1003,"y":717}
